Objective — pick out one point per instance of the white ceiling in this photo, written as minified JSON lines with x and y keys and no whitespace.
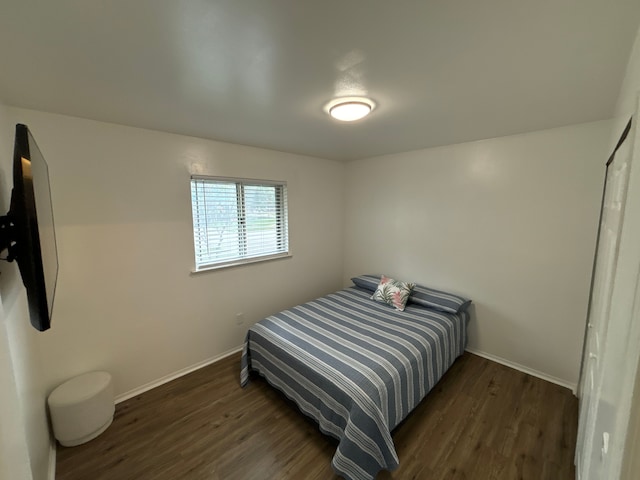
{"x":258,"y":72}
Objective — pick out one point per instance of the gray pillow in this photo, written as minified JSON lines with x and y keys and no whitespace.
{"x":427,"y":297}
{"x":368,"y":282}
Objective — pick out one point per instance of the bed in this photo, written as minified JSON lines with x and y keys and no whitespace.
{"x":356,"y":366}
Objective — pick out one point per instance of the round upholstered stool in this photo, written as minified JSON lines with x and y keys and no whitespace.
{"x":82,"y":408}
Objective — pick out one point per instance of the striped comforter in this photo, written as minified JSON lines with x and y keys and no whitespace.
{"x":357,"y":367}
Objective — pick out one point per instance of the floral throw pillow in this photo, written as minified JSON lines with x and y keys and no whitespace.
{"x":393,"y":292}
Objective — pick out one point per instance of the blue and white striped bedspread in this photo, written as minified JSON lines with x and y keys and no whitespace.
{"x":357,"y":367}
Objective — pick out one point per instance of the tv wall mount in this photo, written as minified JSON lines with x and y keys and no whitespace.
{"x":7,"y":238}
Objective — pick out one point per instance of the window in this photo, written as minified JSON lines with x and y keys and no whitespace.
{"x":238,"y":221}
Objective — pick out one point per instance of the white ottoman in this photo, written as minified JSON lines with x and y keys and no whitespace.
{"x":82,"y":408}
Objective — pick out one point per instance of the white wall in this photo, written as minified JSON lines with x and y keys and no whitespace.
{"x":621,"y":412}
{"x":126,"y":301}
{"x":628,"y":95}
{"x":509,"y":222}
{"x":25,"y":442}
{"x":631,"y":457}
{"x":14,"y":453}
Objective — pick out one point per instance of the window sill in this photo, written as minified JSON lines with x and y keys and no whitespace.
{"x":242,"y":262}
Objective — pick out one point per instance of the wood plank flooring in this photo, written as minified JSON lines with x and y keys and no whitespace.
{"x":482,"y":421}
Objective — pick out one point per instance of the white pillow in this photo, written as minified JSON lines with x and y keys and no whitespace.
{"x":393,"y":292}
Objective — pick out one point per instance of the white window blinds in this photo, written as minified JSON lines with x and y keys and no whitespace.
{"x":236,"y":221}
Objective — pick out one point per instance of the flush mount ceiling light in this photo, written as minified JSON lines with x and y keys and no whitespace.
{"x":349,"y":109}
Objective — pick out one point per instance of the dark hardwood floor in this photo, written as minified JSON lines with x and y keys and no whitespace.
{"x":482,"y":421}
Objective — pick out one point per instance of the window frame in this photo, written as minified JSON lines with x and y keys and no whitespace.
{"x":282,"y":210}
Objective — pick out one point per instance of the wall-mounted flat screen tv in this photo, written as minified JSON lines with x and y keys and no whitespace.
{"x":27,"y":231}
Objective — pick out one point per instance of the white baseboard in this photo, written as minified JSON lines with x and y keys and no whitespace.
{"x":51,"y":472}
{"x":549,"y":378}
{"x":172,"y":376}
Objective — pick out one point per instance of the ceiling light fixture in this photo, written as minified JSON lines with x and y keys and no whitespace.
{"x":349,"y":109}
